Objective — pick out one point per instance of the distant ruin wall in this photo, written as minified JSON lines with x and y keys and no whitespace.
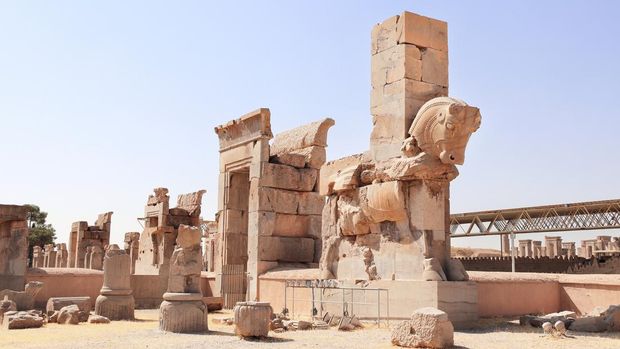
{"x":563,"y":265}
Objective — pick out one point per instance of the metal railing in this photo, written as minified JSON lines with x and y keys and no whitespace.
{"x":347,"y":300}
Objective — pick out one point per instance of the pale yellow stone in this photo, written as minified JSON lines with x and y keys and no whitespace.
{"x":384,"y":35}
{"x":286,"y":249}
{"x":423,"y":31}
{"x":435,"y":67}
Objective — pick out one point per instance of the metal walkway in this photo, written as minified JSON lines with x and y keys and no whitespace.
{"x":539,"y":219}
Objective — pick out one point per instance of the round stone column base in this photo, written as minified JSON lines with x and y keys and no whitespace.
{"x":183,"y":317}
{"x":115,"y":307}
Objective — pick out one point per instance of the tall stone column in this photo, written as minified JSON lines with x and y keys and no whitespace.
{"x":116,"y":301}
{"x":505,"y":245}
{"x":409,"y":66}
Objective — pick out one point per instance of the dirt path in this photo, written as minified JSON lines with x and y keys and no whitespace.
{"x":144,"y":334}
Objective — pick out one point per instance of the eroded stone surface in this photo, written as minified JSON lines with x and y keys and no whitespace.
{"x":17,"y":320}
{"x":116,"y":301}
{"x":182,"y":309}
{"x":252,"y":319}
{"x":69,"y":315}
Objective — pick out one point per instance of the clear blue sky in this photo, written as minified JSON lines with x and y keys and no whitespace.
{"x":102,"y":101}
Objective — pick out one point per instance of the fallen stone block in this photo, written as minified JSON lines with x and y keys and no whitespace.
{"x":69,"y":315}
{"x":428,"y":328}
{"x":16,"y":320}
{"x":24,"y":300}
{"x":57,"y":303}
{"x":589,"y":324}
{"x":98,"y":319}
{"x":7,"y":305}
{"x":252,"y":319}
{"x":612,"y":318}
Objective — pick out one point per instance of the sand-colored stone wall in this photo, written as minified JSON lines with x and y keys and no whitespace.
{"x":498,"y":294}
{"x":68,"y":282}
{"x":508,"y":294}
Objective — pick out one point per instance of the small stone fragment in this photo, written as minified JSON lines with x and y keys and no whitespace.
{"x":547,"y":327}
{"x":98,"y":319}
{"x":69,"y":315}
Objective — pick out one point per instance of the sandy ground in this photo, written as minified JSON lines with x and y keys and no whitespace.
{"x":143,"y":333}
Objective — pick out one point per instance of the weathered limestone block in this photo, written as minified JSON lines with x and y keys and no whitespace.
{"x":340,"y":175}
{"x":290,"y":159}
{"x":183,"y":316}
{"x":274,"y":200}
{"x":182,"y":309}
{"x":116,"y":301}
{"x":57,"y":303}
{"x":310,"y":203}
{"x":17,"y":320}
{"x":314,"y":134}
{"x":288,"y":177}
{"x":433,"y":270}
{"x":428,"y":328}
{"x":7,"y":305}
{"x":589,"y":324}
{"x":69,"y":315}
{"x":314,"y":156}
{"x":397,"y":62}
{"x":286,"y":249}
{"x":24,"y":299}
{"x":252,"y":319}
{"x":424,"y":31}
{"x":435,"y":67}
{"x":455,"y":271}
{"x":96,"y":258}
{"x":385,"y":35}
{"x":191,"y":202}
{"x":13,"y":246}
{"x":289,"y":225}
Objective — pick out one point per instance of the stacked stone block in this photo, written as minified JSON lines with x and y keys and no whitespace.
{"x":182,"y":309}
{"x":409,"y":66}
{"x":85,"y":240}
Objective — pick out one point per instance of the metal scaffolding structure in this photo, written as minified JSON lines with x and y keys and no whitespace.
{"x":538,"y":219}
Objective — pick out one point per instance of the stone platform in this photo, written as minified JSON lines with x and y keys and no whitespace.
{"x":459,"y":299}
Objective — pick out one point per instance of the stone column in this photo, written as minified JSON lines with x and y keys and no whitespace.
{"x":37,"y":257}
{"x":182,"y":310}
{"x":96,"y":258}
{"x":506,"y":245}
{"x":537,"y":249}
{"x":116,"y":301}
{"x":62,"y":256}
{"x":409,"y":66}
{"x":87,"y":254}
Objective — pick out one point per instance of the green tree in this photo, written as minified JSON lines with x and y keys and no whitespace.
{"x":41,"y":233}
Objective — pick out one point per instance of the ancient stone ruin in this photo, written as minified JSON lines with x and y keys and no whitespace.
{"x":13,"y":246}
{"x":116,"y":301}
{"x":157,"y":241}
{"x":87,"y":243}
{"x":132,"y":248}
{"x":269,"y":206}
{"x":182,"y":309}
{"x":387,"y":210}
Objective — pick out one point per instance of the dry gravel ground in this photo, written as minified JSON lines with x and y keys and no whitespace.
{"x":143,"y":333}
